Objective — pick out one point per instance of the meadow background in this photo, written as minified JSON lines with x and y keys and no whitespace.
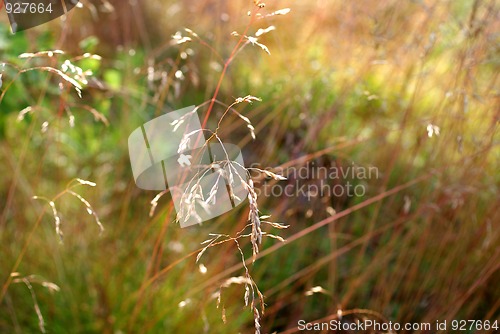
{"x":408,"y":87}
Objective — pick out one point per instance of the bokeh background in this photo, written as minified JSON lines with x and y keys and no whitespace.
{"x":407,"y":87}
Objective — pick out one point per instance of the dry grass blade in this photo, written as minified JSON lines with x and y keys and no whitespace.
{"x":210,"y":243}
{"x":89,"y":208}
{"x":97,"y":115}
{"x":261,"y":32}
{"x":41,"y":322}
{"x":154,"y":202}
{"x":65,"y":77}
{"x":24,"y":112}
{"x":57,"y":219}
{"x":177,"y":39}
{"x":283,"y":11}
{"x":41,"y":54}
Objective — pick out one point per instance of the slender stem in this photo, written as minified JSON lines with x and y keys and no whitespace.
{"x":224,"y":70}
